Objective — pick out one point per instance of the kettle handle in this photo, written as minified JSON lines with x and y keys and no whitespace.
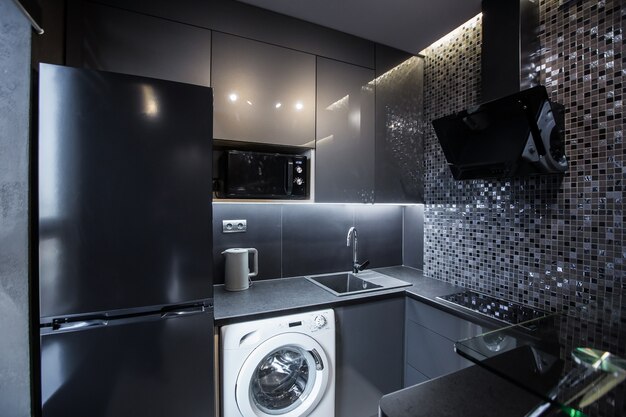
{"x":255,"y":254}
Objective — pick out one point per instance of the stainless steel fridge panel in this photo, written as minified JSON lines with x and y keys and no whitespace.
{"x":124,"y":191}
{"x":159,"y":366}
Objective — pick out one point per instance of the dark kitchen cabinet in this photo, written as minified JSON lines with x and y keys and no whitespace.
{"x":111,"y":39}
{"x":345,"y":146}
{"x":369,"y":355}
{"x":430,"y":337}
{"x":263,"y":93}
{"x":399,"y":127}
{"x":194,"y":12}
{"x":251,"y":22}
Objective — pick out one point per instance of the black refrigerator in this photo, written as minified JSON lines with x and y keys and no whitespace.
{"x":124,"y":227}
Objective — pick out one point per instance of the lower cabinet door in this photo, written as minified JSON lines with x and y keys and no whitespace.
{"x":413,"y":377}
{"x":369,"y":355}
{"x":430,"y":353}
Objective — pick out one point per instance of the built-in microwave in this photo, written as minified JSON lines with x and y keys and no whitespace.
{"x":260,"y":175}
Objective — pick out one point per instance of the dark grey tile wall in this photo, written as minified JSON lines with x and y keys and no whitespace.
{"x":413,"y":236}
{"x":299,"y":239}
{"x":15,"y":33}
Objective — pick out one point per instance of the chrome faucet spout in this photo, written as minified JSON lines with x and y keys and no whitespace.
{"x":352,"y":233}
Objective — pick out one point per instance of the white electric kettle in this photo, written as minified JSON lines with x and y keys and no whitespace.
{"x":237,"y":271}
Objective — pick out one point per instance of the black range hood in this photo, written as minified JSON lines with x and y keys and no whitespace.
{"x":520,"y":134}
{"x":514,"y":133}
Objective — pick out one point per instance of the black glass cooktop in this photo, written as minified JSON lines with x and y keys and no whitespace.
{"x":498,"y":309}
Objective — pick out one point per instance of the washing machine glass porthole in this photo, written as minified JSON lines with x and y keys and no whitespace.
{"x":283,"y":380}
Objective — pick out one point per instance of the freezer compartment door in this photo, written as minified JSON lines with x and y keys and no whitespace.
{"x":159,"y":365}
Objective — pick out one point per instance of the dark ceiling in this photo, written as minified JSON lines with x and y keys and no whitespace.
{"x":410,"y":25}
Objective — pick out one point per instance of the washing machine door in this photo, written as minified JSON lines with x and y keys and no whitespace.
{"x":285,"y":376}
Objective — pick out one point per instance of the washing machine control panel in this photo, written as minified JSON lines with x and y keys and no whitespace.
{"x":311,"y":322}
{"x":319,"y":321}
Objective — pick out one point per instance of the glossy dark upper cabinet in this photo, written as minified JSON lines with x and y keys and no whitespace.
{"x":110,"y":39}
{"x":263,"y":93}
{"x":399,"y":127}
{"x":345,"y":150}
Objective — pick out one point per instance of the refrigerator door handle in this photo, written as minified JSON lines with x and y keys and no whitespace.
{"x":184,"y":312}
{"x":75,"y":325}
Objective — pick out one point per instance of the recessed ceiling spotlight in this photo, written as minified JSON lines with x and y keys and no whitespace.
{"x":299,"y":105}
{"x":233,"y":97}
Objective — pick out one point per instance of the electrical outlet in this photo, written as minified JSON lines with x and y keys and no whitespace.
{"x":234,"y":226}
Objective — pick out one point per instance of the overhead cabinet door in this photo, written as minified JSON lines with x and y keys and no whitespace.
{"x":110,"y":39}
{"x":345,"y":133}
{"x":263,"y":93}
{"x":399,"y":134}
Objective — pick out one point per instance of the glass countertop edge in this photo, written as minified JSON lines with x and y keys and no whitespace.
{"x":540,"y":396}
{"x":508,"y":326}
{"x":534,"y":336}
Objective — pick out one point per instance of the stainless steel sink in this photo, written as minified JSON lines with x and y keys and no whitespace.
{"x":347,"y":283}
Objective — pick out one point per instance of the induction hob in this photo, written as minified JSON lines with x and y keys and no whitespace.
{"x":495,"y":308}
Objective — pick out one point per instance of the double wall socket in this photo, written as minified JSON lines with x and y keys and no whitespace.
{"x":234,"y":226}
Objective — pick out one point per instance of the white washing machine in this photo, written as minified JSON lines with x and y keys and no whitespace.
{"x":282,"y":366}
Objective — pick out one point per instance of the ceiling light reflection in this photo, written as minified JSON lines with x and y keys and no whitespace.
{"x":150,"y":101}
{"x":299,"y":106}
{"x":233,"y":97}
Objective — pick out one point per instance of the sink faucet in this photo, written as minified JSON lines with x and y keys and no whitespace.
{"x":356,"y":267}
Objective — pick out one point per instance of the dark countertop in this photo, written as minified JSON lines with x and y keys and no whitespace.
{"x":472,"y":392}
{"x":288,"y":295}
{"x":450,"y":395}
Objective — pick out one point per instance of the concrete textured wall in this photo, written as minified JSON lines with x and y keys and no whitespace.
{"x":15,"y":34}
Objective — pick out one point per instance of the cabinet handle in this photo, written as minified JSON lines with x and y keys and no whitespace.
{"x":289,"y":185}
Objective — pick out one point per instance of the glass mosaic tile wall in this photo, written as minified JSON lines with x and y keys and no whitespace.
{"x":554,"y":243}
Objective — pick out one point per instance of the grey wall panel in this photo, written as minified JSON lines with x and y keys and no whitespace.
{"x":369,"y":355}
{"x":380,"y":234}
{"x":413,"y":232}
{"x":308,"y":238}
{"x":345,"y":146}
{"x":399,"y":138}
{"x":131,"y":43}
{"x":263,"y":93}
{"x":264,"y":234}
{"x":15,"y":35}
{"x":314,"y":238}
{"x":251,"y":22}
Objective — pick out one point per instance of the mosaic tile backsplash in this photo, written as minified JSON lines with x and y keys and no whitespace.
{"x":554,"y":243}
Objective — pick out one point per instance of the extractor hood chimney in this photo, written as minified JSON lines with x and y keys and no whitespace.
{"x":510,"y":47}
{"x":517,"y":130}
